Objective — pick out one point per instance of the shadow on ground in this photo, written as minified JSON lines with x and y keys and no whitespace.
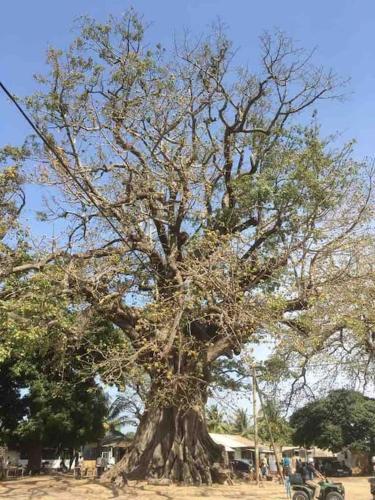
{"x":68,"y":488}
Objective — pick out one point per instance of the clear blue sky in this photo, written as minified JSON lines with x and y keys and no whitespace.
{"x":342,"y":30}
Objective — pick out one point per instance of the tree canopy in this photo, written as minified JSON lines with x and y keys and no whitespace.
{"x":203,"y":209}
{"x":227,"y":215}
{"x":342,"y":419}
{"x":12,"y":201}
{"x":50,"y":396}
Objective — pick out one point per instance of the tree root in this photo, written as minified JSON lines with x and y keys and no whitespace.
{"x":175,"y":446}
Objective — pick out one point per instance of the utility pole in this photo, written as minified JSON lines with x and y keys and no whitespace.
{"x":255,"y":427}
{"x":279,"y":469}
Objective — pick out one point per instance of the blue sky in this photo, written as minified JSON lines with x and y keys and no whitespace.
{"x":342,"y":31}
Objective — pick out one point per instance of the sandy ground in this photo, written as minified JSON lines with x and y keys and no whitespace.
{"x":66,"y":488}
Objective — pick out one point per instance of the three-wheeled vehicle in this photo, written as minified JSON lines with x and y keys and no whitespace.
{"x":328,"y":490}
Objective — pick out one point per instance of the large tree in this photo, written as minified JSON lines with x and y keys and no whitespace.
{"x":59,"y":414}
{"x":199,"y":212}
{"x":49,"y":394}
{"x":12,"y":408}
{"x":343,"y":419}
{"x":45,"y":400}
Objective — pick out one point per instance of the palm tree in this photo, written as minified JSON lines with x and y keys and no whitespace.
{"x":123,"y":410}
{"x":216,"y":421}
{"x":241,"y":423}
{"x":280,"y":427}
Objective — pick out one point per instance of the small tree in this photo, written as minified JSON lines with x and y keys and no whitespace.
{"x":125,"y":409}
{"x":59,"y":415}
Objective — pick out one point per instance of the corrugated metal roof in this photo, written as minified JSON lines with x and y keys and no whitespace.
{"x":314,"y":451}
{"x":236,"y":441}
{"x":112,"y":437}
{"x":232,"y":440}
{"x":117,"y":444}
{"x":318,"y":452}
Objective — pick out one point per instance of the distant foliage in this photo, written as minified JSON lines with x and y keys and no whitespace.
{"x":342,"y":419}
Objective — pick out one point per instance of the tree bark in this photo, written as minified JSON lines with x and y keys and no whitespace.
{"x":173,"y":444}
{"x":34,"y":457}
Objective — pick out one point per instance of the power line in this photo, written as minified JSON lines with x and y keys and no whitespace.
{"x":338,"y":363}
{"x":56,"y":153}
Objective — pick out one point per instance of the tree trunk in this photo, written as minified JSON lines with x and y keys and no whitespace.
{"x":34,"y":457}
{"x":173,"y":444}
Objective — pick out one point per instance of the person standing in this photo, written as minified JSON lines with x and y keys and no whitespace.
{"x":286,"y":462}
{"x":294,"y":462}
{"x":264,"y":468}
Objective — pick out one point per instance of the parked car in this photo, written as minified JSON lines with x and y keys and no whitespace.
{"x":241,"y":466}
{"x":336,"y":469}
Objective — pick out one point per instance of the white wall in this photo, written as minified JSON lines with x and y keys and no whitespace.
{"x":13,"y":456}
{"x":356,"y":461}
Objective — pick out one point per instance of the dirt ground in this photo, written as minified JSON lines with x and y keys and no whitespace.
{"x":67,"y":488}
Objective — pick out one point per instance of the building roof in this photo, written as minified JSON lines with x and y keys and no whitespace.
{"x":233,"y":441}
{"x":318,"y":452}
{"x":117,"y":444}
{"x":314,"y":451}
{"x":112,"y":437}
